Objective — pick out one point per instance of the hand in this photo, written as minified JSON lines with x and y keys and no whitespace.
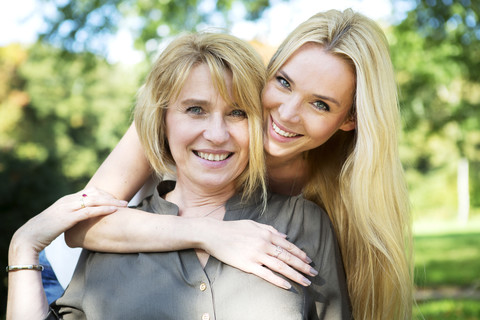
{"x":258,"y":249}
{"x":42,"y":229}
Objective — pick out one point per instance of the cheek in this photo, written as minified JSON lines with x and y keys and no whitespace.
{"x":268,"y":96}
{"x":242,"y":137}
{"x":322,"y":130}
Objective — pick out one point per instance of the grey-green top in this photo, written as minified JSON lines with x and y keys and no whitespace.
{"x":173,"y":285}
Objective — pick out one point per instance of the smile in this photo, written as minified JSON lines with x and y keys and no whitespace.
{"x":283,"y":133}
{"x":212,"y":156}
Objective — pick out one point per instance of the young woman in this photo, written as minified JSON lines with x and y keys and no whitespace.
{"x":331,"y":133}
{"x":200,"y":111}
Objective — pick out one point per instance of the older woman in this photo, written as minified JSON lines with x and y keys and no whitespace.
{"x":331,"y":131}
{"x":199,"y":111}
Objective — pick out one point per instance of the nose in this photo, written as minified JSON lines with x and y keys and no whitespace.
{"x":216,"y":130}
{"x":289,"y":110}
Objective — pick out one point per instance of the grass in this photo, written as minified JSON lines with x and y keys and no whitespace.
{"x":448,"y":310}
{"x":445,"y":257}
{"x":447,"y":254}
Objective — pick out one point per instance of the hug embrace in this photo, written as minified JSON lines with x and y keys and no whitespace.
{"x":288,"y":199}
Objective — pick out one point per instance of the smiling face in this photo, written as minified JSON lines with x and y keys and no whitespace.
{"x":208,"y":137}
{"x":307,"y":101}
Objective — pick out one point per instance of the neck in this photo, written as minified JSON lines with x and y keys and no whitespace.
{"x":287,"y":176}
{"x":198,"y":201}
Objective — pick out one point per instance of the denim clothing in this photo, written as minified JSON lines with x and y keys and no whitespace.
{"x":52,"y":287}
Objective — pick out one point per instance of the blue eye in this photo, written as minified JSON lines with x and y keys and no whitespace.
{"x":283,"y":82}
{"x":237,"y":113}
{"x":195,"y":110}
{"x":320,"y":105}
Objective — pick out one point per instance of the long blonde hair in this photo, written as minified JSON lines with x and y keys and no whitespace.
{"x":357,"y":176}
{"x":223,"y":54}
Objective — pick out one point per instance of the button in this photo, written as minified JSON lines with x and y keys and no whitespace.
{"x":203,"y":286}
{"x":205,"y":316}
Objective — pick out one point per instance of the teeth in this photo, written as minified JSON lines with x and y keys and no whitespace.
{"x":212,"y":156}
{"x":283,"y":133}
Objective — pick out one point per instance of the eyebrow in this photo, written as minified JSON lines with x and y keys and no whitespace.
{"x":319,"y":96}
{"x":193,"y":101}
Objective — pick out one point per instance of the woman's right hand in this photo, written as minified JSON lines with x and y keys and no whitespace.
{"x":258,"y":249}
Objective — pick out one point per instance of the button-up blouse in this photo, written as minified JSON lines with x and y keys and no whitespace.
{"x":174,"y":285}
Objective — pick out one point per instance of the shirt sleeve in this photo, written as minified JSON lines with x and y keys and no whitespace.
{"x":328,"y":289}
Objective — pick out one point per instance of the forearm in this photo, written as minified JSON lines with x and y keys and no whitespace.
{"x":125,"y":170}
{"x":132,"y":230}
{"x":26,"y":297}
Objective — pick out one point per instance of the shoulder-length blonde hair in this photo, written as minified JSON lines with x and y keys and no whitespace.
{"x":223,"y":54}
{"x":357,"y":176}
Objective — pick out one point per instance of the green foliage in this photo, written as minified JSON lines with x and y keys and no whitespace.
{"x":84,"y":25}
{"x":60,"y":120}
{"x":436,"y":53}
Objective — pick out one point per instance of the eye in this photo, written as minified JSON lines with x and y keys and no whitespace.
{"x":283,"y":82}
{"x":322,"y":106}
{"x":238,"y":113}
{"x":195,"y":110}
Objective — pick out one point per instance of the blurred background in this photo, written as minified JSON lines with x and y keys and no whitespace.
{"x":69,"y":71}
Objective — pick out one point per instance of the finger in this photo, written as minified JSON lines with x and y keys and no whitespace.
{"x":101,"y":200}
{"x":80,"y":200}
{"x":292,"y":249}
{"x":91,"y":212}
{"x":284,"y":269}
{"x":295,"y":262}
{"x":272,"y":230}
{"x":271,"y":277}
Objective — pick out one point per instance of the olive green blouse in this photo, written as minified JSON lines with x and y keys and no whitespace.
{"x":173,"y":285}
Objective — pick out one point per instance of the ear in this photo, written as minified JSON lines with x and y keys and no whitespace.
{"x":348,"y":125}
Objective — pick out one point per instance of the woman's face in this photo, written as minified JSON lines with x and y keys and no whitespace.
{"x":208,"y":137}
{"x":307,"y":101}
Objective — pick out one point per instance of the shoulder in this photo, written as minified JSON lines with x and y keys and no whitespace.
{"x":299,"y":218}
{"x":297,"y":207}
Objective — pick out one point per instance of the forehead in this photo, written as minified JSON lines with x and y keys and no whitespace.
{"x":202,"y":82}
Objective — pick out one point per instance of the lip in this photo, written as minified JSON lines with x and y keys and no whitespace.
{"x":275,"y":135}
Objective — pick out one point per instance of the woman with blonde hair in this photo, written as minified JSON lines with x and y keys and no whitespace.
{"x":331,"y":133}
{"x":197,"y":112}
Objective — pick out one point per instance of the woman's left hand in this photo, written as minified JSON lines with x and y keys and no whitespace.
{"x":43,"y":228}
{"x":26,"y":297}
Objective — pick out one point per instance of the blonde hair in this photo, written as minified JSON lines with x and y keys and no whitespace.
{"x":357,"y":176}
{"x":223,"y":54}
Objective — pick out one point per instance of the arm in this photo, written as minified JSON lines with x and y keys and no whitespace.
{"x":26,"y":298}
{"x":129,"y":230}
{"x":246,"y":245}
{"x":125,"y":170}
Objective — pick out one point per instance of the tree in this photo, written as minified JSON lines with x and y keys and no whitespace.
{"x":83,"y":25}
{"x":436,"y":51}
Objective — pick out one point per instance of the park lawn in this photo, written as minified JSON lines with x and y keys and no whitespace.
{"x":447,"y":255}
{"x":448,"y":310}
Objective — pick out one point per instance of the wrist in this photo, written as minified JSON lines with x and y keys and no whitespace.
{"x":21,"y":252}
{"x":205,"y":228}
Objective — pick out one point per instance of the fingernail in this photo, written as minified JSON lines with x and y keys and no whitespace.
{"x":282,"y":234}
{"x":124,"y":203}
{"x":313,"y":272}
{"x":287,"y":285}
{"x":309,"y":260}
{"x":306,"y":282}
